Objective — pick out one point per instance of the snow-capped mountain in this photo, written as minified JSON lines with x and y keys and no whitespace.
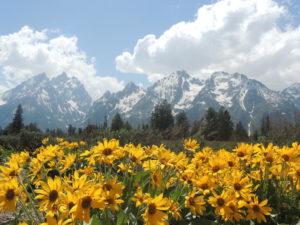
{"x":246,"y":99}
{"x":51,"y":103}
{"x":179,"y":89}
{"x":292,"y":93}
{"x":111,"y":103}
{"x":63,"y":100}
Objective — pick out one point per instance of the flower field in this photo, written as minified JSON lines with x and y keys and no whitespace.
{"x":73,"y":183}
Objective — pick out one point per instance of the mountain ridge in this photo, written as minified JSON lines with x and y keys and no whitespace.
{"x":63,"y":100}
{"x":248,"y":100}
{"x":51,"y":103}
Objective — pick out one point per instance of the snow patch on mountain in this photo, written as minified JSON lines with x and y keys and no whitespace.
{"x":54,"y":103}
{"x":188,"y":96}
{"x":242,"y":99}
{"x":126,"y":103}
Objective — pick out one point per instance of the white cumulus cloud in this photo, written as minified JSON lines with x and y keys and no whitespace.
{"x":29,"y":52}
{"x":252,"y":37}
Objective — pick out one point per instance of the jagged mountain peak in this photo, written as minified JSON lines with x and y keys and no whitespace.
{"x":61,"y":77}
{"x":219,"y":74}
{"x":176,"y":88}
{"x":235,"y":78}
{"x":66,"y":79}
{"x":51,"y":103}
{"x":292,"y":89}
{"x":180,"y":74}
{"x":63,"y":99}
{"x":246,"y":99}
{"x":173,"y":78}
{"x":30,"y":87}
{"x":36,"y":80}
{"x":130,"y":88}
{"x":130,"y":85}
{"x":292,"y":93}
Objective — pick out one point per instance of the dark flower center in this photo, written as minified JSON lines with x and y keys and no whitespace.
{"x":107,"y":187}
{"x":152,"y":209}
{"x":107,"y":151}
{"x":220,"y":202}
{"x":269,"y":159}
{"x":192,"y":201}
{"x":110,"y":201}
{"x":155,"y":178}
{"x":232,"y":207}
{"x":53,"y":173}
{"x":86,"y":202}
{"x":256,"y":208}
{"x":215,"y":168}
{"x":185,"y":177}
{"x":10,"y":194}
{"x":53,"y":195}
{"x":13,"y":173}
{"x":285,"y":157}
{"x":204,"y":186}
{"x":240,"y":154}
{"x":70,"y":205}
{"x":230,"y":163}
{"x":133,"y":159}
{"x":237,"y":187}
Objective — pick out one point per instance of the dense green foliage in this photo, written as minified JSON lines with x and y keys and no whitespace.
{"x":216,"y":129}
{"x":161,"y":117}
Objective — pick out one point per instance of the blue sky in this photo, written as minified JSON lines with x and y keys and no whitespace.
{"x":104,"y":28}
{"x":260,"y":38}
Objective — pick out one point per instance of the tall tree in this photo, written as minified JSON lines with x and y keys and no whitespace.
{"x":33,"y":127}
{"x":265,"y":126}
{"x":105,"y":123}
{"x":182,"y":125}
{"x":17,"y":123}
{"x":117,"y":122}
{"x":195,"y":127}
{"x":71,"y":130}
{"x":127,"y":126}
{"x":161,"y":116}
{"x":240,"y":132}
{"x":254,"y":136}
{"x":210,"y":127}
{"x":225,"y":125}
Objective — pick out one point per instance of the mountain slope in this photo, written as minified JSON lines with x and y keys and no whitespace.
{"x":63,"y":100}
{"x":292,"y":93}
{"x":50,"y":103}
{"x":178,"y":88}
{"x":246,"y":99}
{"x":111,"y":103}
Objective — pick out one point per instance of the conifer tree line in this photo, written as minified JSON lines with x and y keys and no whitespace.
{"x":216,"y":125}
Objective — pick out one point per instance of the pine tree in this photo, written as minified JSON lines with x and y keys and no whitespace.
{"x":210,"y":128}
{"x":240,"y":132}
{"x":127,"y":126}
{"x":265,"y":126}
{"x":195,"y":127}
{"x":254,"y":136}
{"x":117,"y":122}
{"x":181,"y":125}
{"x":105,"y":123}
{"x":161,"y":116}
{"x":225,"y":125}
{"x":17,"y":123}
{"x":33,"y":127}
{"x":71,"y":130}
